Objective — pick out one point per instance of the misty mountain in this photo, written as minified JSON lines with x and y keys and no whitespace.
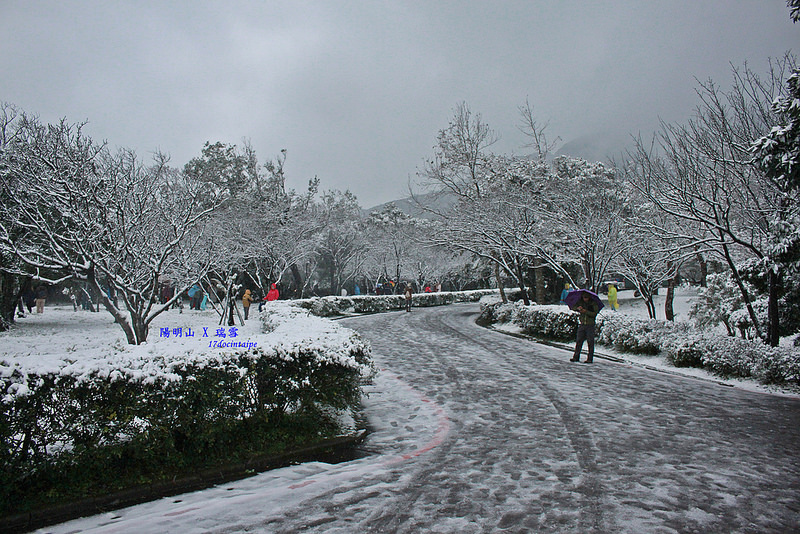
{"x":601,"y":146}
{"x":409,"y":206}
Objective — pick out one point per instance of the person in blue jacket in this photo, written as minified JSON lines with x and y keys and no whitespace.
{"x":564,"y":293}
{"x":195,"y":297}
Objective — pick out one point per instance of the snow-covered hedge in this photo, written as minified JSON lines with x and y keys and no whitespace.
{"x":681,"y":343}
{"x":300,"y":364}
{"x":546,"y":321}
{"x":335,"y":306}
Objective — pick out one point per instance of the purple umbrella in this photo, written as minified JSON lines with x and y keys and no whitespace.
{"x":573,"y":297}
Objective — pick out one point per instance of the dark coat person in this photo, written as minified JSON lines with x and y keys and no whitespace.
{"x":41,"y":296}
{"x":588,"y":310}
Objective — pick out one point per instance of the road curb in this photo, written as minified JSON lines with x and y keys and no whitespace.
{"x":201,"y":480}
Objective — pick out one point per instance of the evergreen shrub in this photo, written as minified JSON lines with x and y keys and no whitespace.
{"x":333,"y":306}
{"x":87,"y":430}
{"x":682,"y":344}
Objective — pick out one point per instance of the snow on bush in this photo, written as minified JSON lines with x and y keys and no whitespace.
{"x":295,"y":331}
{"x":630,"y":334}
{"x":333,"y":306}
{"x":109,"y":393}
{"x":681,"y":343}
{"x":493,"y":310}
{"x":284,"y":331}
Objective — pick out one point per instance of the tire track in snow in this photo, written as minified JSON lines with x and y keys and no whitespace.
{"x":580,"y":437}
{"x":430,"y":335}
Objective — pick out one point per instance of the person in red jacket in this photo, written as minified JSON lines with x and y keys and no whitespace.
{"x":272,"y":294}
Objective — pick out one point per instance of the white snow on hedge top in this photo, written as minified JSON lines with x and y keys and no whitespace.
{"x":84,"y":344}
{"x":290,"y":329}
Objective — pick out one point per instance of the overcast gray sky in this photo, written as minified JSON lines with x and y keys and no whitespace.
{"x":356,"y":91}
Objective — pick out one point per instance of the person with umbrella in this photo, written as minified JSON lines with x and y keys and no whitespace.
{"x":588,"y":305}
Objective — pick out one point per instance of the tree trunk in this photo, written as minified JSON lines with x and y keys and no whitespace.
{"x":500,"y":283}
{"x":120,"y":319}
{"x":669,"y":312}
{"x":9,"y":298}
{"x":773,"y":334}
{"x":651,"y":307}
{"x":729,"y":328}
{"x":743,"y":291}
{"x":703,"y":269}
{"x":8,"y":302}
{"x":298,"y":279}
{"x":539,"y":280}
{"x":521,"y":278}
{"x":140,"y":330}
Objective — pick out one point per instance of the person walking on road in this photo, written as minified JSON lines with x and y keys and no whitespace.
{"x":247,"y":300}
{"x":588,"y":310}
{"x":408,"y":294}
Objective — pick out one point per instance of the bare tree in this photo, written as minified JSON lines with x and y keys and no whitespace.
{"x":703,"y":173}
{"x":459,"y":166}
{"x":536,"y":132}
{"x":103,"y":218}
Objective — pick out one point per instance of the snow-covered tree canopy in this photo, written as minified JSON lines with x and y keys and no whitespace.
{"x":520,"y":212}
{"x":703,"y":174}
{"x":73,"y":208}
{"x":778,"y":152}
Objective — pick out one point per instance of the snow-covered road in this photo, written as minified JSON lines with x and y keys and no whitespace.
{"x":476,"y":431}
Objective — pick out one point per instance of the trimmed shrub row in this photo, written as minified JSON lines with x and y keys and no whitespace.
{"x":56,"y":427}
{"x":681,"y":343}
{"x":333,"y":306}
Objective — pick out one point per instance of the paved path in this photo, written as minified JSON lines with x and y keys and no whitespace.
{"x":582,"y":448}
{"x":489,"y":433}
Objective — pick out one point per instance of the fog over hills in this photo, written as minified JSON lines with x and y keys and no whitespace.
{"x":603,"y":147}
{"x":410,"y":206}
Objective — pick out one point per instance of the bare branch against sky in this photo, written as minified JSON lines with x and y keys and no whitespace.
{"x":357,"y":90}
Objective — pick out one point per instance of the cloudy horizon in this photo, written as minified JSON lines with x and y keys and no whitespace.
{"x":357,"y":91}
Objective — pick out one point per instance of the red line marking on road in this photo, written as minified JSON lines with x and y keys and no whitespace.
{"x":302,"y":484}
{"x":442,"y":429}
{"x":170,"y":514}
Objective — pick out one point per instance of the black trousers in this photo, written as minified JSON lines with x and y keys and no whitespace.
{"x":585,"y":333}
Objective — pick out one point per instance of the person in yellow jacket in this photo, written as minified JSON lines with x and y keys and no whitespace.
{"x":612,"y":297}
{"x":247,"y":300}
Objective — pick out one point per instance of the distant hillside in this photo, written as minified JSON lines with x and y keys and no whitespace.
{"x":596,"y":147}
{"x":410,"y":207}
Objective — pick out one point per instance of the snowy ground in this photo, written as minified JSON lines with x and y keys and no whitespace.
{"x":62,"y":336}
{"x":472,"y":431}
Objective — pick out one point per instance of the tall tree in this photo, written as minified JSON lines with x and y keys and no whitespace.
{"x":777,"y":154}
{"x":342,"y":246}
{"x":100,"y":217}
{"x":703,"y":174}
